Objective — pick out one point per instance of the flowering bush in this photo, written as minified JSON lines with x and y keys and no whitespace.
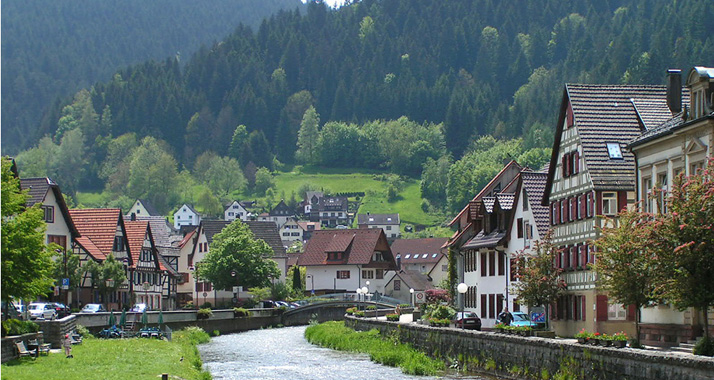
{"x":584,"y":334}
{"x":351,"y":310}
{"x":619,"y":336}
{"x":393,"y":317}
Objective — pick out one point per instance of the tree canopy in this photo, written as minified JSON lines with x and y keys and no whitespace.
{"x":27,"y":266}
{"x":236,"y":249}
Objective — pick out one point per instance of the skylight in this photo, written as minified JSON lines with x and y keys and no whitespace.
{"x":407,"y":256}
{"x":613,"y":149}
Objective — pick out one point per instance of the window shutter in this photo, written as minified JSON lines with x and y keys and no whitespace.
{"x":573,"y":209}
{"x":574,"y":257}
{"x":584,"y":255}
{"x":501,"y":263}
{"x":520,"y":227}
{"x":557,"y":260}
{"x":499,"y":302}
{"x":565,"y":165}
{"x":576,"y":162}
{"x":582,"y":206}
{"x":583,"y":307}
{"x":631,"y":312}
{"x":483,"y":306}
{"x":601,"y":308}
{"x":621,"y":200}
{"x":569,"y":119}
{"x":564,"y":210}
{"x":556,"y":207}
{"x":483,"y":264}
{"x":598,"y":203}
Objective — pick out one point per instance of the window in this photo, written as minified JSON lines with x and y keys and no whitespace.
{"x":334,"y":256}
{"x":662,"y":180}
{"x":519,"y":226}
{"x":483,"y":264}
{"x":286,"y":233}
{"x":613,"y":150}
{"x":647,"y":194}
{"x":589,"y":205}
{"x":58,"y":239}
{"x":367,"y":274}
{"x":407,"y":256}
{"x":525,"y":201}
{"x":230,"y":213}
{"x":397,"y":284}
{"x":343,"y":274}
{"x":501,"y":263}
{"x":118,"y":244}
{"x":579,"y":207}
{"x":528,"y":234}
{"x":379,"y":274}
{"x":49,"y":214}
{"x":609,"y":203}
{"x":445,"y":268}
{"x":616,"y":312}
{"x":492,"y":262}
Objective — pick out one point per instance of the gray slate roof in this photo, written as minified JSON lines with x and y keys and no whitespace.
{"x":378,"y":219}
{"x":534,"y":185}
{"x":37,"y":188}
{"x":267,"y":231}
{"x":149,"y":207}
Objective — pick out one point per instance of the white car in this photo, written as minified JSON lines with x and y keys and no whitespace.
{"x":42,"y":311}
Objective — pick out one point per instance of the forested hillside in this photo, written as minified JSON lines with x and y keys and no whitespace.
{"x":444,"y":90}
{"x":56,"y":47}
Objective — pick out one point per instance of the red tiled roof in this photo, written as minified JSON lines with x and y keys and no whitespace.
{"x":92,"y":249}
{"x":136,"y":231}
{"x":98,"y":225}
{"x":360,"y":251}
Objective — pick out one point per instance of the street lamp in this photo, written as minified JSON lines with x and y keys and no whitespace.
{"x":110,"y":284}
{"x":234,"y":274}
{"x":359,"y":291}
{"x":312,"y":283}
{"x":462,"y":288}
{"x":411,"y":296}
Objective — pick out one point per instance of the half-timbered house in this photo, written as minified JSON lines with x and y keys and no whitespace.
{"x":147,"y":277}
{"x":102,"y":233}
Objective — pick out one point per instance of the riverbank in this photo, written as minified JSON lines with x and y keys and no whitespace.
{"x":385,"y":351}
{"x":136,"y":358}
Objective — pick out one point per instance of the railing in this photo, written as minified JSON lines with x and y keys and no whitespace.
{"x":353,"y":297}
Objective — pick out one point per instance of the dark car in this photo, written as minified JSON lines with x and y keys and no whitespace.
{"x":62,"y":309}
{"x":467,"y":320}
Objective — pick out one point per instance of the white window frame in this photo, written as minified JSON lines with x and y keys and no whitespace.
{"x":609,"y":198}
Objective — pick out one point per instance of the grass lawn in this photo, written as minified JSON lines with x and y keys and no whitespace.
{"x":133,"y":359}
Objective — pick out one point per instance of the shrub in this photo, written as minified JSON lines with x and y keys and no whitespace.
{"x":403,"y":305}
{"x":704,"y":347}
{"x":206,"y":305}
{"x":18,"y":327}
{"x":189,"y":306}
{"x":241,"y":312}
{"x":84,"y":332}
{"x":351,"y":310}
{"x":194,"y":334}
{"x":215,"y":333}
{"x":437,"y":322}
{"x":359,"y":313}
{"x":371,"y":307}
{"x":442,"y":312}
{"x":393,"y":317}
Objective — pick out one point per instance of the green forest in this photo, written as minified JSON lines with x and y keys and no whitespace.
{"x":438,"y":91}
{"x":53,"y":48}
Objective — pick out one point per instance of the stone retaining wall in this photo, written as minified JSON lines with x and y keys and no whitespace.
{"x":55,"y":330}
{"x":510,"y":356}
{"x":9,"y":351}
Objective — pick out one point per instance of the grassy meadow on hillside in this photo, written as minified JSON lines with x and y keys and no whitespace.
{"x":333,"y":181}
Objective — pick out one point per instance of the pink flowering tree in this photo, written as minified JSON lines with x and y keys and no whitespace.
{"x":539,"y":282}
{"x":626,"y":265}
{"x":684,"y":242}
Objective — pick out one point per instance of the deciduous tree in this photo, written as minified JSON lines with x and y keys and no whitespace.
{"x":26,"y":261}
{"x":539,"y":282}
{"x":235,"y":248}
{"x":626,"y":266}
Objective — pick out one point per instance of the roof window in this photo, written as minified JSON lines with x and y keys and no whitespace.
{"x":613,"y":150}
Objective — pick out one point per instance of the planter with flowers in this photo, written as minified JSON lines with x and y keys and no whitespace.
{"x":619,"y":339}
{"x":595,"y":339}
{"x":584,"y":336}
{"x":393,"y":317}
{"x":605,"y":340}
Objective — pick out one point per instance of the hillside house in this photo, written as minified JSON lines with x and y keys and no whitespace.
{"x":235,"y":210}
{"x":390,"y":223}
{"x":186,"y":215}
{"x":668,"y":147}
{"x":142,"y":207}
{"x":308,"y":228}
{"x":291,"y":231}
{"x":339,"y":261}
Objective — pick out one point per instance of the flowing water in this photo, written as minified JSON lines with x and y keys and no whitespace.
{"x":284,"y":353}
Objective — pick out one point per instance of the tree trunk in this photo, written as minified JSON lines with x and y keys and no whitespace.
{"x":638,"y":315}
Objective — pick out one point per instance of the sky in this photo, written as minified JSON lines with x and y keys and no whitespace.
{"x":332,"y":3}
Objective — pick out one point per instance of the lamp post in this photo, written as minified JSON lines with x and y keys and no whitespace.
{"x":312,"y":283}
{"x":365,"y":290}
{"x":234,"y":274}
{"x":359,"y":291}
{"x":411,"y":296}
{"x":462,"y":288}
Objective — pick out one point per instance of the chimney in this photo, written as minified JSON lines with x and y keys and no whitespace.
{"x":133,"y":217}
{"x":399,"y":264}
{"x":674,"y":90}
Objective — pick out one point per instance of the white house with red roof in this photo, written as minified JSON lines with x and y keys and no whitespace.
{"x":102,"y":233}
{"x":341,"y":261}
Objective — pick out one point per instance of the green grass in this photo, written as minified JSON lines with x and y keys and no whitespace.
{"x":134,"y":359}
{"x":384,"y":351}
{"x":407,"y":204}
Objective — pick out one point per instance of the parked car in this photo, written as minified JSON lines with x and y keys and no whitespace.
{"x":138,"y":308}
{"x":11,"y":311}
{"x":40,"y":310}
{"x":467,"y":320}
{"x":282,"y":304}
{"x":522,"y":319}
{"x":93,"y":308}
{"x":62,"y":309}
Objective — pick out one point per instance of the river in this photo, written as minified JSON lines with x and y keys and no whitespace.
{"x":283,"y":353}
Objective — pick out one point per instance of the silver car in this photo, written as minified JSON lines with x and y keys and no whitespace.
{"x":42,"y":311}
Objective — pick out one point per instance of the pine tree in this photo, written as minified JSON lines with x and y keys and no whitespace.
{"x":307,"y":137}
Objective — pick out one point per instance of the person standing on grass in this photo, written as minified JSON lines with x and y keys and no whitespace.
{"x":67,"y":344}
